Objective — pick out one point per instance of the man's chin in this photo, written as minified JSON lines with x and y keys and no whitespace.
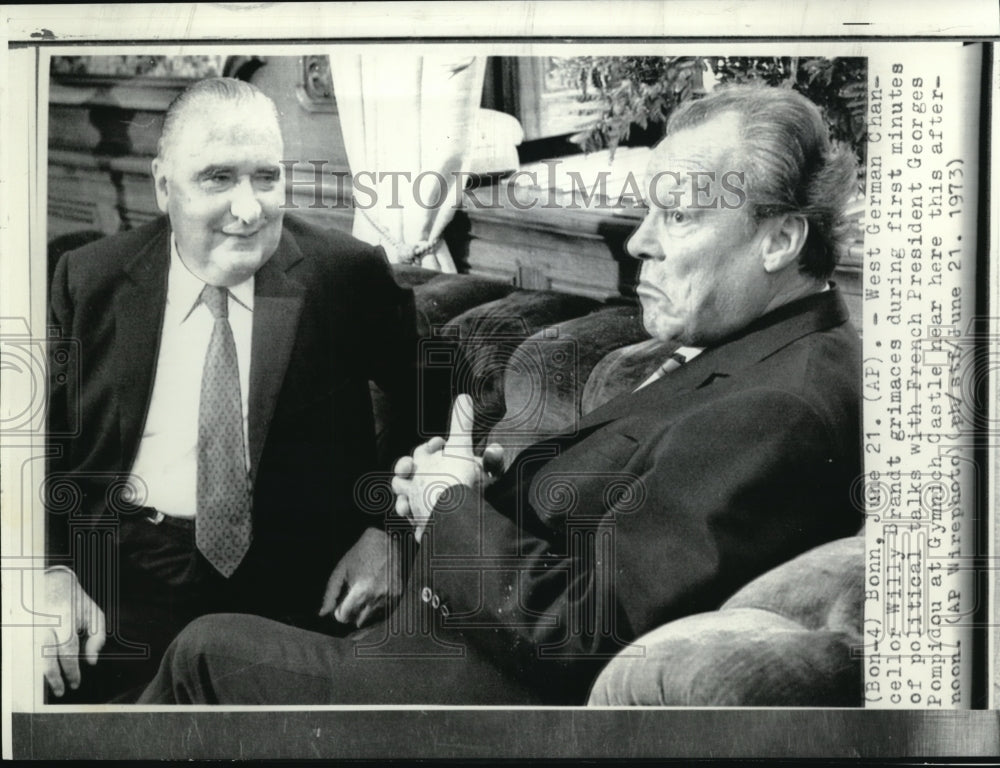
{"x":242,"y":243}
{"x":667,"y":332}
{"x":238,"y":264}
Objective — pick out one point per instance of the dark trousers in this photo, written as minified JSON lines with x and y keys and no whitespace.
{"x":408,"y":658}
{"x":243,"y":659}
{"x":160,"y":583}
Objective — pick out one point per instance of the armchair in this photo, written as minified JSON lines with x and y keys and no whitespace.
{"x":534,"y":361}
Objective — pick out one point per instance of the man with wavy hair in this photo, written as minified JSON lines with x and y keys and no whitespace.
{"x":737,"y":455}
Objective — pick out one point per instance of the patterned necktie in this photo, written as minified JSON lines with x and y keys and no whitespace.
{"x":222,"y":525}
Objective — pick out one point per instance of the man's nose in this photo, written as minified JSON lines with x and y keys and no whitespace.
{"x":643,"y":244}
{"x":244,"y":204}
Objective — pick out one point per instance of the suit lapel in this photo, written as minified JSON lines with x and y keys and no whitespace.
{"x":139,"y":307}
{"x":761,"y":339}
{"x":277,"y":307}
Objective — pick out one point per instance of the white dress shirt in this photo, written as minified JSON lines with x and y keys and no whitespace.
{"x":165,"y":472}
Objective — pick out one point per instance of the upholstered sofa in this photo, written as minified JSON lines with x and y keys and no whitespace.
{"x":536,"y":360}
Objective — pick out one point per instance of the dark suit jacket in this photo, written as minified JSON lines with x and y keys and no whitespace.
{"x":661,"y":505}
{"x":328,"y":317}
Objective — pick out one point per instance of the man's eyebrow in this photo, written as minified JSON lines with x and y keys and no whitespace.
{"x":211,"y":170}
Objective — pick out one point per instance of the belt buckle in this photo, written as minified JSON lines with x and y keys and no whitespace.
{"x":157,"y":518}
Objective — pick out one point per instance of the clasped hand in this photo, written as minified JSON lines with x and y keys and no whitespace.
{"x":366,"y":582}
{"x":440,"y":464}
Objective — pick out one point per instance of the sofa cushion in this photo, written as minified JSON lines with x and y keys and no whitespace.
{"x":410,"y":275}
{"x":488,"y":336}
{"x":544,"y":380}
{"x":440,"y":297}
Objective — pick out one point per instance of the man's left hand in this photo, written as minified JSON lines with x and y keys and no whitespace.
{"x":366,"y":582}
{"x":438,"y":465}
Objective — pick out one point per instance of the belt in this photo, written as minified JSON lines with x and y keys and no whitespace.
{"x":156,"y":517}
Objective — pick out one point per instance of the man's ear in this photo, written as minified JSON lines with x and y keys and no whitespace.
{"x":160,"y":184}
{"x":783,"y":241}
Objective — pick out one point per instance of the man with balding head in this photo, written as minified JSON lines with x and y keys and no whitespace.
{"x":211,"y":411}
{"x":736,"y":455}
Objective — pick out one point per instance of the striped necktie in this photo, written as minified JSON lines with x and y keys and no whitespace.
{"x":676,"y":359}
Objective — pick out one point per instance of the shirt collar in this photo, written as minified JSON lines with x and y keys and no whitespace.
{"x":184,"y":288}
{"x":688,"y":353}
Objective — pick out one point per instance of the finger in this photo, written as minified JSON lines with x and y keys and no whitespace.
{"x":350,"y":606}
{"x":50,"y":667}
{"x":462,"y":422}
{"x":401,"y":486}
{"x":96,"y":635}
{"x":403,"y":507}
{"x":365,"y":615}
{"x":433,"y":445}
{"x":403,"y":468}
{"x":334,"y":586}
{"x":493,"y":458}
{"x":69,"y":661}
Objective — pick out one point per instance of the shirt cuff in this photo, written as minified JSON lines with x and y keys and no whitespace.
{"x":66,"y":568}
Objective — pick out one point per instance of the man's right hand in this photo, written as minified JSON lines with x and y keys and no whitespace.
{"x":77,"y":614}
{"x":419,"y":480}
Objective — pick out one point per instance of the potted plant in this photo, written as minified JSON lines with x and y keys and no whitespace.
{"x":640,"y":92}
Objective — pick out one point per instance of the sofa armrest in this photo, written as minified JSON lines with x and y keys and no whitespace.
{"x":742,"y":657}
{"x":789,"y":638}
